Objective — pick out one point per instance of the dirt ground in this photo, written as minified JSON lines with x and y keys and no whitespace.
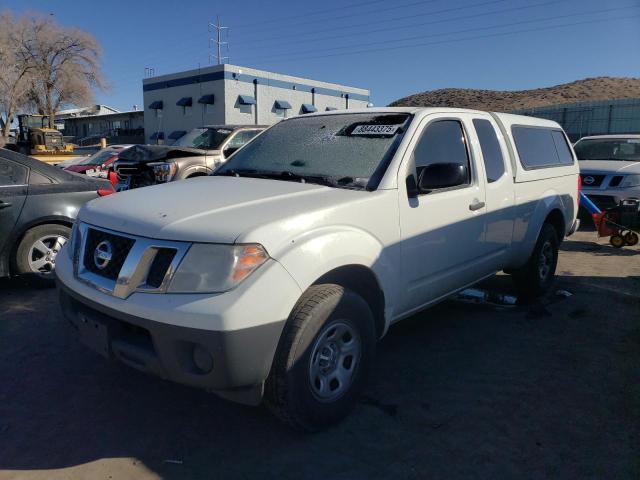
{"x":549,"y":390}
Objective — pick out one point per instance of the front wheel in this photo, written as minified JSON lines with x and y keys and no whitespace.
{"x":537,"y":275}
{"x":36,"y":254}
{"x":323,"y":359}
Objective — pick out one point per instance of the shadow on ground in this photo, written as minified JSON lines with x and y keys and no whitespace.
{"x":548,"y":390}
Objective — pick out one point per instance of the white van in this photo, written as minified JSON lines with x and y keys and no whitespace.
{"x":275,"y":277}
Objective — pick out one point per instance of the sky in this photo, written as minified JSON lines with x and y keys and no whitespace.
{"x":392,"y":47}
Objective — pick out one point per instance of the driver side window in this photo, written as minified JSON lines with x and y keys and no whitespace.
{"x":239,"y":140}
{"x":442,"y":144}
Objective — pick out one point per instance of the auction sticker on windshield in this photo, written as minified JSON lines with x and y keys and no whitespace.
{"x":375,"y":130}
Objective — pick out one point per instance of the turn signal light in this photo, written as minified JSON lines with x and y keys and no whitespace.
{"x":252,"y":257}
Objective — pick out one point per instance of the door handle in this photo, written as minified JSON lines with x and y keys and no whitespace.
{"x":4,"y":205}
{"x":476,"y":205}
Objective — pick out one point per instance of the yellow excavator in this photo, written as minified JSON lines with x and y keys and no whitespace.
{"x":35,"y":138}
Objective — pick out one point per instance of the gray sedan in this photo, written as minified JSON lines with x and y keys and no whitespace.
{"x":38,"y":205}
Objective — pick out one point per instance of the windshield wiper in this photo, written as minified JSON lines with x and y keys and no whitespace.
{"x":289,"y":176}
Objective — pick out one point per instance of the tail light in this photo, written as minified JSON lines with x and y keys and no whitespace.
{"x":579,"y":187}
{"x":106,"y":190}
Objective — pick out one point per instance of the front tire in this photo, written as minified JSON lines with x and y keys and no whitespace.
{"x":37,"y":251}
{"x":323,"y":358}
{"x":536,"y":277}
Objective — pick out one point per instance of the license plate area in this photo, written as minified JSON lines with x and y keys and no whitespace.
{"x":94,"y":334}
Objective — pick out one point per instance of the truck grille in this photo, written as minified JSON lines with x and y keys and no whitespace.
{"x":119,"y":246}
{"x":126,"y":169}
{"x":615,"y":181}
{"x":120,"y":264}
{"x":159,"y":267}
{"x":591,"y":180}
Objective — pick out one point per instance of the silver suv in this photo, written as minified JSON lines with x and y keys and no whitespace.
{"x":196,"y":154}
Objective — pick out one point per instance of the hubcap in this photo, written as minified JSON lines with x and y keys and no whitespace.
{"x":334,"y":361}
{"x":43,"y":253}
{"x":545,"y":260}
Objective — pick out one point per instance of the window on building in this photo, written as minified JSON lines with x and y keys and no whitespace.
{"x":245,"y":103}
{"x":280,"y":108}
{"x":491,"y":151}
{"x":443,"y":141}
{"x":207,"y":101}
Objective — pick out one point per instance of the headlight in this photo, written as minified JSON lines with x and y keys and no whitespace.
{"x":164,"y":172}
{"x":213,"y":268}
{"x":630,"y":181}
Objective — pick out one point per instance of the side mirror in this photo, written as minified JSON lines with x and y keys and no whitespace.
{"x":230,"y":151}
{"x":412,"y":187}
{"x":442,"y":175}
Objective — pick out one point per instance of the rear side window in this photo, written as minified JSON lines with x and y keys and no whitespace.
{"x":36,"y":178}
{"x":491,"y":152}
{"x":442,"y":142}
{"x":12,"y":173}
{"x":564,"y":152}
{"x":541,"y":147}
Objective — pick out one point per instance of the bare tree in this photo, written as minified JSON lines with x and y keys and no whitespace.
{"x":15,"y":74}
{"x":65,"y":65}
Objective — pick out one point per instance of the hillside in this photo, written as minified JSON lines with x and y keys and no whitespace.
{"x":589,"y":89}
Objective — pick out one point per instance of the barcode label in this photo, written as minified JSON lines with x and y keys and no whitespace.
{"x":375,"y":130}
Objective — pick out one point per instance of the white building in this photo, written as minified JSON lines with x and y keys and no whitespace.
{"x":229,"y":94}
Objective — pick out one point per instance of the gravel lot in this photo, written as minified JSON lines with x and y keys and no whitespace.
{"x":550,"y":390}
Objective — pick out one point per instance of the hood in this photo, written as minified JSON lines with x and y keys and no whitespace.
{"x":609,"y":166}
{"x":71,"y":161}
{"x":156,"y":153}
{"x":216,"y":209}
{"x":79,"y":168}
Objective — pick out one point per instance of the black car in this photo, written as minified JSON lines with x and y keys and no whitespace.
{"x":38,"y":205}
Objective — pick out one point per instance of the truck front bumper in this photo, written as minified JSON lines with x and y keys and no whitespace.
{"x":607,"y":198}
{"x":188,"y":339}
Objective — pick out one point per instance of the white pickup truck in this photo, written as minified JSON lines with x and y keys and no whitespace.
{"x":274,"y":278}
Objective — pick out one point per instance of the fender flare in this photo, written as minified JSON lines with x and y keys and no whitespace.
{"x":306,"y":258}
{"x":551,"y":201}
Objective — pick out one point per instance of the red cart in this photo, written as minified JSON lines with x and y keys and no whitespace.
{"x":621,"y":223}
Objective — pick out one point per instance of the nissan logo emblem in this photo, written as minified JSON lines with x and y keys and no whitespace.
{"x":588,"y":180}
{"x":102,"y":254}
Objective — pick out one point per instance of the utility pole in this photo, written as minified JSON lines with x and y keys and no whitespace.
{"x":218,"y":41}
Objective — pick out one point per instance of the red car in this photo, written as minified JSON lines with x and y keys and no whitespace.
{"x":98,"y":161}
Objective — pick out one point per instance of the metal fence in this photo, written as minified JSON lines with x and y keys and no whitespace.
{"x":592,"y":118}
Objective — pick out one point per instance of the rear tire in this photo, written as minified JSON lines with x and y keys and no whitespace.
{"x":37,"y":251}
{"x":536,"y":277}
{"x":323,"y":358}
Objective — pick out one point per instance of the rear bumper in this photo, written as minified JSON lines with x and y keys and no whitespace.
{"x":574,"y":227}
{"x":236,"y":361}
